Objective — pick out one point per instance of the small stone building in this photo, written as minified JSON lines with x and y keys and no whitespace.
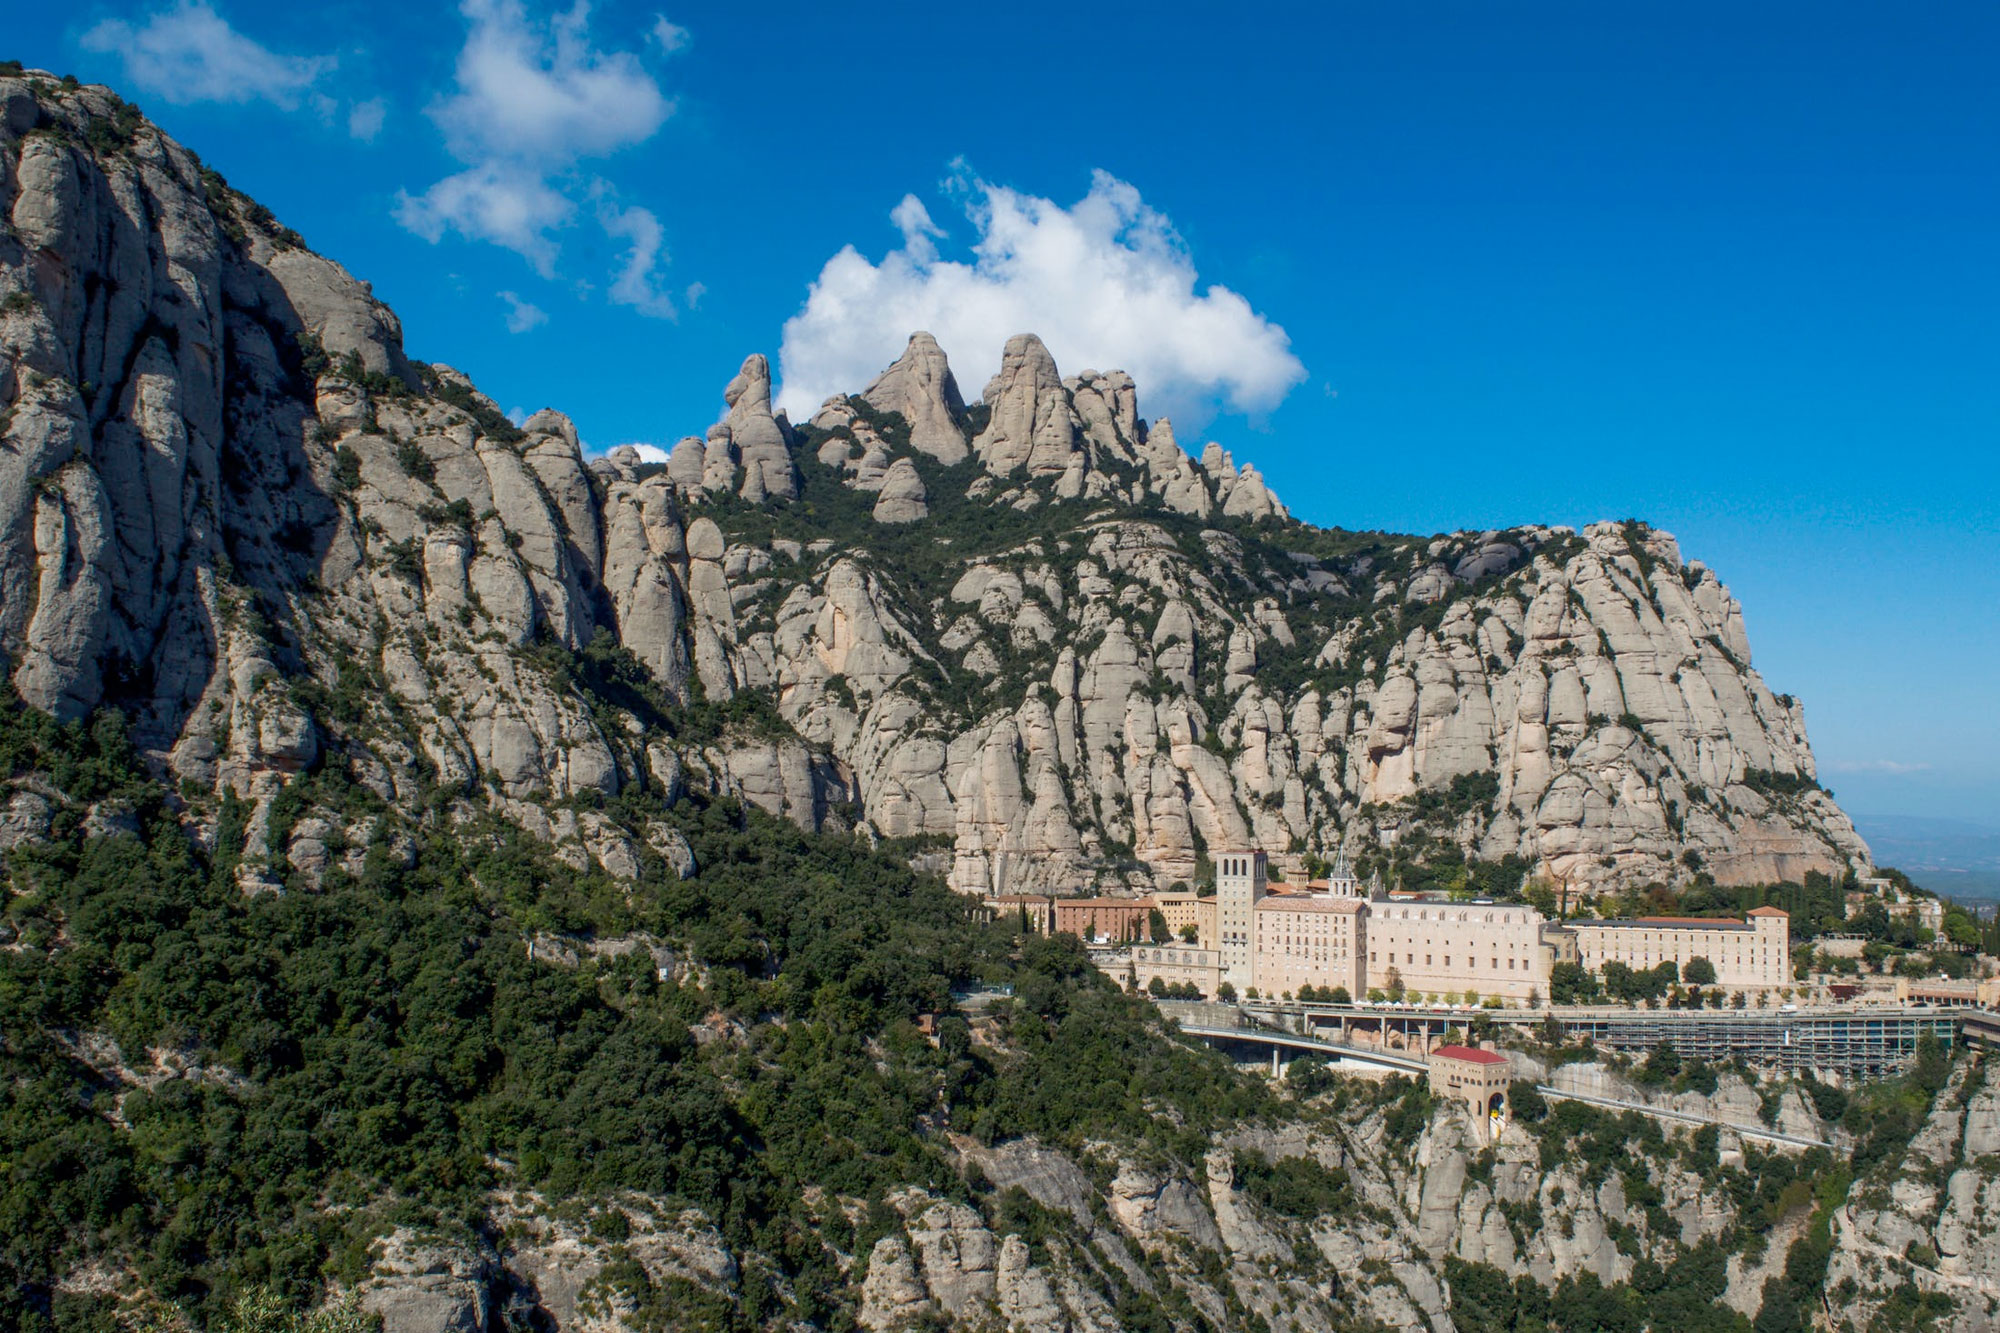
{"x":1476,"y":1077}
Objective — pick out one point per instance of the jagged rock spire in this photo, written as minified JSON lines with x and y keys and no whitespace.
{"x":1032,"y":424}
{"x":921,"y":387}
{"x":759,"y":440}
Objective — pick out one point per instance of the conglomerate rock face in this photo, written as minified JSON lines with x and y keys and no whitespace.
{"x":1050,"y":1239}
{"x":1931,"y":1218}
{"x":1033,"y":636}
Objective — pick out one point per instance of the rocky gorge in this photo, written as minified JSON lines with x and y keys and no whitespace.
{"x":1382,"y":1220}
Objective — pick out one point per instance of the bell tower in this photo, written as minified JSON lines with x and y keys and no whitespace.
{"x":1239,"y":884}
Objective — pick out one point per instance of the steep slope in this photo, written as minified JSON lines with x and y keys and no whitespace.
{"x":1032,"y":641}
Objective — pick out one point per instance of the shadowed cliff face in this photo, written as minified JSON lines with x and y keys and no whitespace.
{"x":1033,"y":636}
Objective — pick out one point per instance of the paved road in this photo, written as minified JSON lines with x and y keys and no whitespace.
{"x":1407,"y":1064}
{"x":1685,"y":1117}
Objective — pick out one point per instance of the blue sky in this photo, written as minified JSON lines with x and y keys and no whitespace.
{"x":1727,"y":268}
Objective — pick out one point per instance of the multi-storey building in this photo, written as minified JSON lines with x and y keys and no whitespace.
{"x":1177,"y":965}
{"x":1753,"y":954}
{"x":1436,"y":947}
{"x":1279,"y":942}
{"x":1188,"y":909}
{"x":1104,"y":918}
{"x":1309,"y":939}
{"x":1239,"y":884}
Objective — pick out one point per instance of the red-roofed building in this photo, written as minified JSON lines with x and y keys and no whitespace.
{"x":1479,"y":1078}
{"x":1093,"y":919}
{"x":1472,"y":1053}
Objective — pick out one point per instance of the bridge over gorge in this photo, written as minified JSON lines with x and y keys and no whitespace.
{"x":1862,"y":1042}
{"x":1234,"y":1030}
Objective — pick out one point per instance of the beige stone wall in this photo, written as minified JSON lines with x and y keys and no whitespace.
{"x":1747,"y":956}
{"x":1187,"y":909}
{"x":1178,"y":965}
{"x":1309,"y":942}
{"x":1439,"y":948}
{"x":1039,"y":910}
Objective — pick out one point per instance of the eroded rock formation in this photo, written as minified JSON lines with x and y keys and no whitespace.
{"x":1035,"y":636}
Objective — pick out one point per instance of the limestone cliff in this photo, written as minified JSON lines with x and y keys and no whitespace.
{"x":1388,"y":1221}
{"x":1033,"y":636}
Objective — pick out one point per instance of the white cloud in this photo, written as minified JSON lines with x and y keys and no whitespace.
{"x":1891,"y":767}
{"x":364,"y":119}
{"x":651,"y":453}
{"x":189,"y":53}
{"x":500,"y":202}
{"x":636,"y":283}
{"x":522,"y":316}
{"x":692,"y":296}
{"x":1107,"y":283}
{"x":543,"y":93}
{"x":533,"y":99}
{"x":668,"y":35}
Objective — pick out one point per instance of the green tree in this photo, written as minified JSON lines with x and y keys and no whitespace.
{"x":1661,"y":1065}
{"x":1571,"y":983}
{"x":1698,"y":972}
{"x":1309,"y":1075}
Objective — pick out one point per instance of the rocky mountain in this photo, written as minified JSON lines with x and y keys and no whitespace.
{"x":558,"y":1024}
{"x":1030,"y":639}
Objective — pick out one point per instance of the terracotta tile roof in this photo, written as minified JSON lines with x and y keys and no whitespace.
{"x":1669,"y":922}
{"x":1477,"y":1057}
{"x":1687,"y":921}
{"x":1305,"y":903}
{"x":1770,"y":911}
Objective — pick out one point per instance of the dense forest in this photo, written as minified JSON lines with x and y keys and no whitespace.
{"x":390,"y":1038}
{"x":228,"y":1096}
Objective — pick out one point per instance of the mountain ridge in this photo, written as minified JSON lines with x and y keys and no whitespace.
{"x":1030,"y":637}
{"x":446,"y":973}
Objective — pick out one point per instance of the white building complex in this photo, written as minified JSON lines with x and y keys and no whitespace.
{"x":1331,"y":936}
{"x":1748,"y":955}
